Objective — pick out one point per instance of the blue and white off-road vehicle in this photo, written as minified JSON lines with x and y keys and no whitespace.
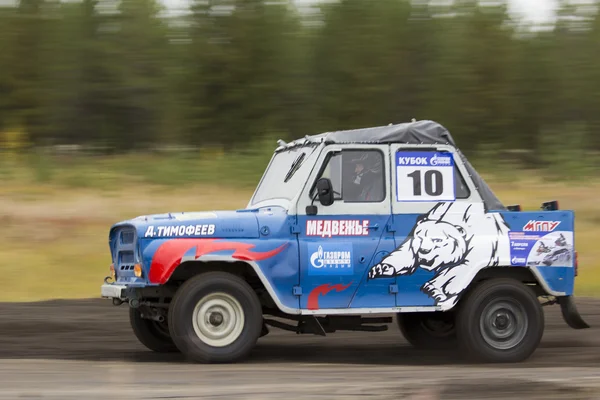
{"x":344,"y":229}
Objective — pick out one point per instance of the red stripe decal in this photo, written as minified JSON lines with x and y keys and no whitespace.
{"x":168,"y":256}
{"x":313,"y":296}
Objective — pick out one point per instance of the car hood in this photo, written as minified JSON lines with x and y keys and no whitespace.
{"x":221,"y":224}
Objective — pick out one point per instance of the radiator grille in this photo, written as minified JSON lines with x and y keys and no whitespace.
{"x":125,"y":253}
{"x":127,"y":237}
{"x":126,"y":257}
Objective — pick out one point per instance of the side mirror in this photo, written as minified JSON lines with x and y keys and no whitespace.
{"x":325,"y":191}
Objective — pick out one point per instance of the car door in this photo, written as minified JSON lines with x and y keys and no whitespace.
{"x":428,"y":183}
{"x":340,"y":243}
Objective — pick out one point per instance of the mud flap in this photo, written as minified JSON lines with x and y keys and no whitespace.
{"x":570,"y":313}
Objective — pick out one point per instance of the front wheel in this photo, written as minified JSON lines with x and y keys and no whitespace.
{"x":501,"y":320}
{"x":215,"y":317}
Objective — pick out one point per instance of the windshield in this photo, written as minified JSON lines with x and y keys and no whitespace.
{"x":286,"y":174}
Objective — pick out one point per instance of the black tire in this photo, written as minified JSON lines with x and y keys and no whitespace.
{"x":219,"y":286}
{"x":152,"y":334}
{"x":479,"y":328}
{"x":428,"y":330}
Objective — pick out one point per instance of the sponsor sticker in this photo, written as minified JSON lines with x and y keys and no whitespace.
{"x":426,"y":159}
{"x":424,"y":176}
{"x":180,"y":230}
{"x":194,"y":215}
{"x":541,"y":249}
{"x":521,"y":244}
{"x":441,"y":160}
{"x":343,"y":227}
{"x":330,"y":259}
{"x":518,"y":260}
{"x":540,"y":226}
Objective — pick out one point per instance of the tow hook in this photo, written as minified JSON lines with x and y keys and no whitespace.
{"x":152,"y":313}
{"x":117,"y":302}
{"x":154,"y":317}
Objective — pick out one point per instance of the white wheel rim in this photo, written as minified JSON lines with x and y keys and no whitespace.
{"x":218,"y":319}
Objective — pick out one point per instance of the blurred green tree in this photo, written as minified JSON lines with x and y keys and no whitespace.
{"x":244,"y":71}
{"x":127,"y":75}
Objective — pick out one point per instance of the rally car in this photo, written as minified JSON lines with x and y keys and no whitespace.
{"x":344,"y":229}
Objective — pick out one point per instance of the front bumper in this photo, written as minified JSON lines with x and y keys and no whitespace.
{"x":113,"y":291}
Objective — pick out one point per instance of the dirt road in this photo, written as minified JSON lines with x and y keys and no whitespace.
{"x":84,"y":349}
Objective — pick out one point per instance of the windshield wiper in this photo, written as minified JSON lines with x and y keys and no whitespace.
{"x":295,"y":166}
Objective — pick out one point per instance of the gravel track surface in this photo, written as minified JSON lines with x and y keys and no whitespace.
{"x":85,"y":349}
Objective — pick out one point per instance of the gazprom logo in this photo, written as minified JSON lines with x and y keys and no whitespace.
{"x":330,"y":259}
{"x":442,"y":161}
{"x":518,"y":260}
{"x":316,"y":259}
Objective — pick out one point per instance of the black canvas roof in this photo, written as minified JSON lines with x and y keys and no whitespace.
{"x":416,"y":132}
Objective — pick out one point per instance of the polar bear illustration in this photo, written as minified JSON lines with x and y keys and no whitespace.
{"x":455,"y":240}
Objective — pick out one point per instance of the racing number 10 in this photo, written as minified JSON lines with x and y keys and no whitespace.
{"x":424,"y":176}
{"x":434,"y":182}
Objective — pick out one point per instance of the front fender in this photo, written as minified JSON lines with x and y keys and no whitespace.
{"x":274,"y":261}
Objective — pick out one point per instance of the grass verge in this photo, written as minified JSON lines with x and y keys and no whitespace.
{"x":55,"y":218}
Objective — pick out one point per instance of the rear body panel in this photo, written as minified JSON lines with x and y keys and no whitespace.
{"x":544,"y":241}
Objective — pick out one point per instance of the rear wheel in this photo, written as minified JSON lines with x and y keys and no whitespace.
{"x":501,"y":320}
{"x":215,"y":317}
{"x":428,"y":330}
{"x":152,"y":334}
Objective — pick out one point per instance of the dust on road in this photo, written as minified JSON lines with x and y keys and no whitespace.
{"x":75,"y":349}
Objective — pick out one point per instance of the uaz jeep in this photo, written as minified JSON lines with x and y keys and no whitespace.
{"x":378,"y":221}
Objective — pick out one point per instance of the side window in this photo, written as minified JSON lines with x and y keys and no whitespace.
{"x":428,"y":176}
{"x":460,"y":186}
{"x":356,"y":176}
{"x":333,"y":171}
